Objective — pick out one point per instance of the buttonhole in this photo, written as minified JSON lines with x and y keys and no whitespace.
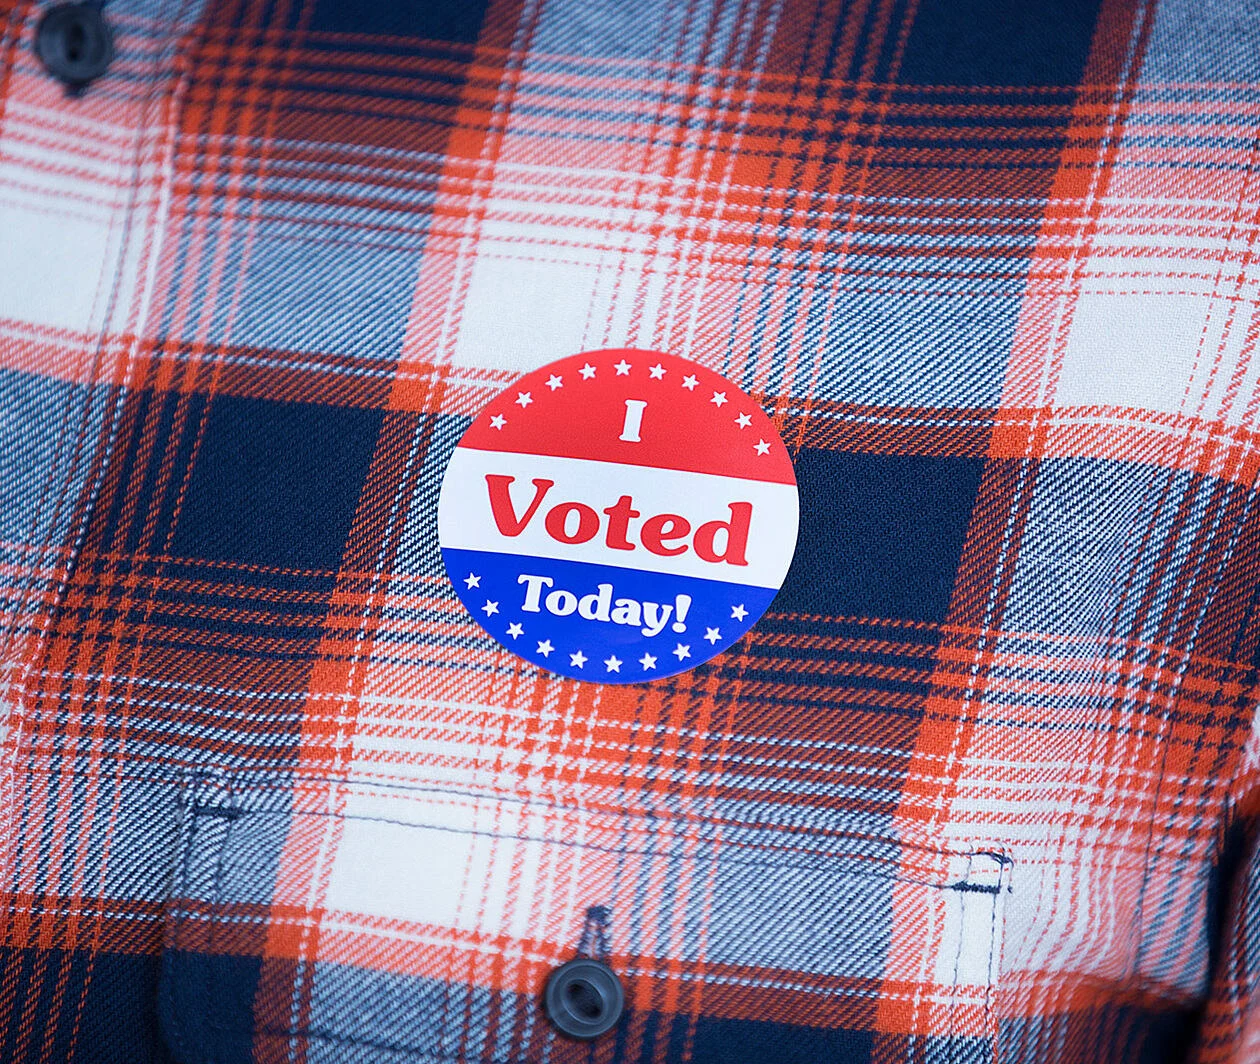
{"x":223,"y":813}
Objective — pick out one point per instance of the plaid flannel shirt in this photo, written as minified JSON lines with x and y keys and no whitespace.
{"x":982,"y":785}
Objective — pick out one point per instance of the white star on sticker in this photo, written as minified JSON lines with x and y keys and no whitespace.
{"x":490,"y":607}
{"x":718,"y":398}
{"x":647,"y":661}
{"x":472,"y":580}
{"x":743,"y":421}
{"x":578,"y":659}
{"x":690,"y":382}
{"x":587,"y":371}
{"x":683,"y":650}
{"x":622,"y":368}
{"x":613,"y":663}
{"x":524,"y":399}
{"x":498,"y":421}
{"x":738,"y":612}
{"x":554,"y":382}
{"x":545,"y":648}
{"x":657,"y":372}
{"x":712,"y":635}
{"x":762,"y":447}
{"x":515,"y":630}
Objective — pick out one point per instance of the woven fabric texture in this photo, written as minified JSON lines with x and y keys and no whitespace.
{"x":984,"y":783}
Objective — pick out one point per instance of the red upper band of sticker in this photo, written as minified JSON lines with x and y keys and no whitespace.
{"x":685,"y":421}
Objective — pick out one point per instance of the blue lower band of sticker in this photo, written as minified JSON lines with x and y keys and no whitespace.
{"x":602,"y":622}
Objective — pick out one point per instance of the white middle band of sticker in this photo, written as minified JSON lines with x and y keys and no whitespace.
{"x":528,"y":504}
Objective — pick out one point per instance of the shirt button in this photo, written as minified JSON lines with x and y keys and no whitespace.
{"x":74,"y":43}
{"x":584,"y":998}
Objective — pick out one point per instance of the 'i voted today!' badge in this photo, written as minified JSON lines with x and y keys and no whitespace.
{"x":619,"y":516}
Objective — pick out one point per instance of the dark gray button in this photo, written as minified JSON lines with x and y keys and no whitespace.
{"x":584,"y":998}
{"x":74,"y":43}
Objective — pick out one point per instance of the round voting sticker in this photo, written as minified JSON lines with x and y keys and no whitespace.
{"x":619,"y":516}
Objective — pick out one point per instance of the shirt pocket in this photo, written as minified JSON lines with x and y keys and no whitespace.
{"x":399,"y":924}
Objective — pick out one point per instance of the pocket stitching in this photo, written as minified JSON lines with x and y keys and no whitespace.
{"x":238,"y":804}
